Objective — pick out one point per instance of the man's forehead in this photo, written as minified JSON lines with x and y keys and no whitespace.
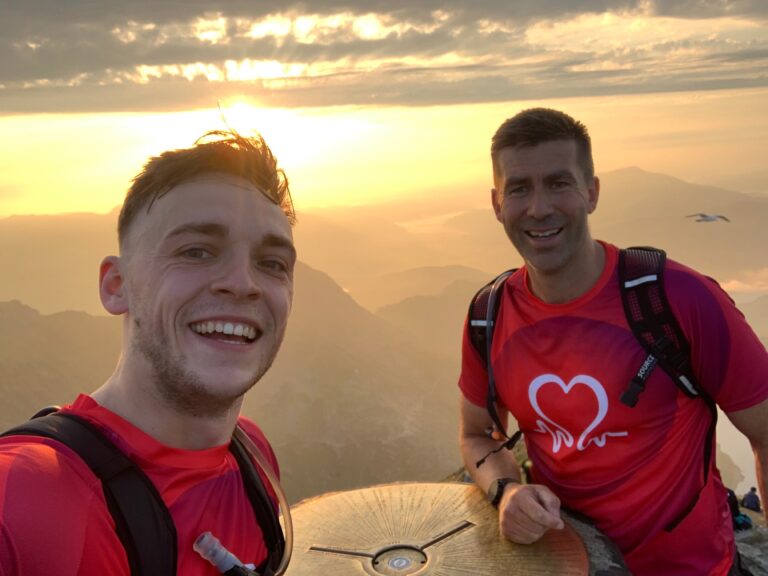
{"x":213,"y":204}
{"x":553,"y":155}
{"x":563,"y":147}
{"x":213,"y":183}
{"x":214,"y":194}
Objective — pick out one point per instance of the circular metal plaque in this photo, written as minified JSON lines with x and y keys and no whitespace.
{"x":417,"y":529}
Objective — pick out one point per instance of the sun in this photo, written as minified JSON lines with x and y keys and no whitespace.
{"x":283,"y":129}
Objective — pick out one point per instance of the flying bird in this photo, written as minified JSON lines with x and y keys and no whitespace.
{"x":701,"y":217}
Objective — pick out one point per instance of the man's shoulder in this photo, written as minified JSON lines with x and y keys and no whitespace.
{"x":38,"y":460}
{"x":687,"y":287}
{"x":44,"y":486}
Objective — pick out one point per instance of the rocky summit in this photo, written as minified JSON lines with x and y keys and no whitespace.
{"x":753,"y":544}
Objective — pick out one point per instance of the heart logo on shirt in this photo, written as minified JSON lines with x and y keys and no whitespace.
{"x":560,"y":434}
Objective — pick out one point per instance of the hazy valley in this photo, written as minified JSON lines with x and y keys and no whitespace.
{"x":364,"y":390}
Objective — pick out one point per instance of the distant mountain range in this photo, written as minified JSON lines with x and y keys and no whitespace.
{"x":47,"y":360}
{"x":364,"y":390}
{"x":416,"y":247}
{"x":386,"y":289}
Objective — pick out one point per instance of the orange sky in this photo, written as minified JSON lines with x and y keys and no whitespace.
{"x":339,"y":155}
{"x":365,"y":101}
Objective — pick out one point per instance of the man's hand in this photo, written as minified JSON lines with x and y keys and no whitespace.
{"x":527,"y":511}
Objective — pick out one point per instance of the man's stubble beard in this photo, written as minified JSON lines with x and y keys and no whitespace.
{"x":578,"y":234}
{"x":181,"y":388}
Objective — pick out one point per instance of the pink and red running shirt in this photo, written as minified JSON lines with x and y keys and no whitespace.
{"x":54,"y":520}
{"x":560,"y":371}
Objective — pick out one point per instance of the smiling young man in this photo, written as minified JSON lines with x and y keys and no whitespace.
{"x":562,"y":356}
{"x":204,"y":282}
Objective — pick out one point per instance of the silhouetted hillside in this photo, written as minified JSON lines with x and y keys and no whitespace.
{"x":351,"y":400}
{"x":437,"y":320}
{"x":52,"y":262}
{"x":385,"y":289}
{"x":49,"y":359}
{"x":642,"y":208}
{"x":350,"y":249}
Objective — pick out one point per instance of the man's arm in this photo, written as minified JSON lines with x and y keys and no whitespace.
{"x":753,"y":423}
{"x":526,"y":512}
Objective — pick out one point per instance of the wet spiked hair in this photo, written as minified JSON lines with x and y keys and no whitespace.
{"x":218,"y":151}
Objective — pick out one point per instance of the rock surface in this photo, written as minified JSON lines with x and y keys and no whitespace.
{"x":752,"y":543}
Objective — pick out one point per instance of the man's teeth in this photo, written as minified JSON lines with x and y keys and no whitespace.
{"x":546,"y":234}
{"x":230,"y":328}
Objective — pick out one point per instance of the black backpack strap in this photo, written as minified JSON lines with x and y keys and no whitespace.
{"x":142,"y":521}
{"x":650,"y":317}
{"x":266,"y":514}
{"x":483,"y":309}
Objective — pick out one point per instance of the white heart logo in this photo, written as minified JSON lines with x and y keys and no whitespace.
{"x":560,"y":435}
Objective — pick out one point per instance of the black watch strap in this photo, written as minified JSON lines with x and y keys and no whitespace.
{"x":496,"y":490}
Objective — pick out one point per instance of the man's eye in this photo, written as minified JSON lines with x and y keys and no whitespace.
{"x":274,"y":265}
{"x":516,"y":190}
{"x":560,"y":184}
{"x":196,"y":253}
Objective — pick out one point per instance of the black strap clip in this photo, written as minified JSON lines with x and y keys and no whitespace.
{"x":632,"y":394}
{"x":508,"y":444}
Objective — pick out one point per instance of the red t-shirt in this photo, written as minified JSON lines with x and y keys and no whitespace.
{"x":560,"y":371}
{"x":54,"y":520}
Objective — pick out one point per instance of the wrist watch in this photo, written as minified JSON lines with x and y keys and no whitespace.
{"x":496,"y":490}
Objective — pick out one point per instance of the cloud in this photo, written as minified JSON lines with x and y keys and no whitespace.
{"x":57,"y":56}
{"x":754,"y":282}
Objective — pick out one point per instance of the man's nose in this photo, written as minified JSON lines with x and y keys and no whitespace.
{"x":540,"y":203}
{"x":237,"y":276}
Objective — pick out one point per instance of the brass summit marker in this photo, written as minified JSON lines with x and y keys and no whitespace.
{"x":418,"y":529}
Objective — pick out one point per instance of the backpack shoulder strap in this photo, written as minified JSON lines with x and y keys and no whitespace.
{"x":266,"y":515}
{"x":650,"y":317}
{"x":483,"y":309}
{"x":142,"y":521}
{"x":647,"y":309}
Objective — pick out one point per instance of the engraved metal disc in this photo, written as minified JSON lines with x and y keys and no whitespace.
{"x":417,"y":529}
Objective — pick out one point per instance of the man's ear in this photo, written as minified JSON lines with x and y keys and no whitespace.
{"x":496,"y":204}
{"x":112,"y":285}
{"x":594,"y":194}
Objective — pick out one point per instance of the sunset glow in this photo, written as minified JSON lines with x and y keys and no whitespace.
{"x":359,"y":155}
{"x":361,"y":105}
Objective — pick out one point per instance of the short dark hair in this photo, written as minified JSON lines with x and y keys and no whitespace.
{"x":535,"y":126}
{"x":225,"y":151}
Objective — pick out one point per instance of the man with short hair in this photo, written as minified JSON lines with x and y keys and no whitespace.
{"x":562,"y":356}
{"x":204,"y":282}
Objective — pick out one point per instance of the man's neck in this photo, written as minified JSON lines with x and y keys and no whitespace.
{"x":143,"y":407}
{"x":573,"y":281}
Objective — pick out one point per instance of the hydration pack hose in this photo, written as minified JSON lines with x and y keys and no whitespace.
{"x":227,"y":563}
